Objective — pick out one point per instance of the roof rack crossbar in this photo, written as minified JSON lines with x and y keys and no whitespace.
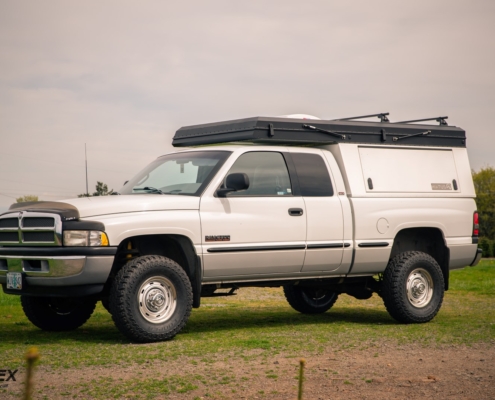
{"x":440,"y":120}
{"x":382,"y":116}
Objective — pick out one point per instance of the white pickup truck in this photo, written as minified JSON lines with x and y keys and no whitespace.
{"x":317,"y":207}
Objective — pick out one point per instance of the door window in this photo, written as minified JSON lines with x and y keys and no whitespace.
{"x":267,"y":172}
{"x":312,"y":174}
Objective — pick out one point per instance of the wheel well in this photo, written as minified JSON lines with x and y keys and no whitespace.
{"x":427,"y":240}
{"x":176,"y":247}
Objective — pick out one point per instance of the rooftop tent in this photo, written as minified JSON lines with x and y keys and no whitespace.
{"x":287,"y":130}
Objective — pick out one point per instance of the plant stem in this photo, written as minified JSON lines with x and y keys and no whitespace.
{"x":301,"y":378}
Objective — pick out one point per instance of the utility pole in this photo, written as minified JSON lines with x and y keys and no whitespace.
{"x":86,"y":160}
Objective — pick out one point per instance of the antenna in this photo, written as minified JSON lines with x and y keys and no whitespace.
{"x":382,"y":116}
{"x":86,"y":161}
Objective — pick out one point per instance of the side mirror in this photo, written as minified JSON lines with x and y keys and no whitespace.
{"x":234,"y":182}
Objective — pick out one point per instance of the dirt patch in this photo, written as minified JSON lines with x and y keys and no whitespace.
{"x":383,"y":372}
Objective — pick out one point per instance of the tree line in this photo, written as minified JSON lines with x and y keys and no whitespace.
{"x":101,"y":189}
{"x":484,"y":184}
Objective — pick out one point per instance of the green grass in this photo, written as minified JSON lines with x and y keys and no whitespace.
{"x":148,"y":388}
{"x":257,"y":325}
{"x":479,"y":280}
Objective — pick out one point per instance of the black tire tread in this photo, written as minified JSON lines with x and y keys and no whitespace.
{"x":41,"y":315}
{"x":120,"y":298}
{"x":295,"y":297}
{"x":393,"y":294}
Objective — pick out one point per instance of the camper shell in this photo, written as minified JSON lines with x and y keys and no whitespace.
{"x":376,"y":158}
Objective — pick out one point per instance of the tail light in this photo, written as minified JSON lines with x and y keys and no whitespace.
{"x":476,"y":224}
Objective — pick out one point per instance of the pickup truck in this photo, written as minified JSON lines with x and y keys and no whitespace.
{"x":320,"y":208}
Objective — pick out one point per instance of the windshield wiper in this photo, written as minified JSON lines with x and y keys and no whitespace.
{"x":151,"y":189}
{"x":176,"y":191}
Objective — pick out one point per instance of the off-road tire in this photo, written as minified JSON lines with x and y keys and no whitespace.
{"x":413,"y":287}
{"x":134,"y":291}
{"x":57,"y":313}
{"x":309,"y":300}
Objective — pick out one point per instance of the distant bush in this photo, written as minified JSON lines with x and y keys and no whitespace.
{"x":26,"y":198}
{"x":488,"y":247}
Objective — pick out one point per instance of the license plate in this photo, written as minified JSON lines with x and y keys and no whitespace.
{"x":14,"y":280}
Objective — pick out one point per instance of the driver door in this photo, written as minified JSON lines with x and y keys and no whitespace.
{"x":258,"y":232}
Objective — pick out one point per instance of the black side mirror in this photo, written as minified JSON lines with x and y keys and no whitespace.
{"x":234,"y":182}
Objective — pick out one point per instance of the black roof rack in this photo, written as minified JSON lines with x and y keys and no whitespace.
{"x":383,"y":117}
{"x":440,"y":120}
{"x":291,"y":131}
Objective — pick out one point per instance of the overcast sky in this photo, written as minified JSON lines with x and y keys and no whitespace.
{"x":123,"y":76}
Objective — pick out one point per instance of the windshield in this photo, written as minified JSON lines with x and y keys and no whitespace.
{"x":182,"y":173}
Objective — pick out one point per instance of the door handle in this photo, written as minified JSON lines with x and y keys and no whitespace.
{"x":295,"y":212}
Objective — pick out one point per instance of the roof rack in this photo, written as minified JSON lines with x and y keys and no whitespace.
{"x":293,"y":131}
{"x":440,"y":120}
{"x":382,"y":116}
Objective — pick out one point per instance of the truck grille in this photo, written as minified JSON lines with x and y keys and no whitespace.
{"x":30,"y":229}
{"x":9,"y":223}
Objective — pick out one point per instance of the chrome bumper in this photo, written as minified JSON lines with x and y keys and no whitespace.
{"x":57,"y":270}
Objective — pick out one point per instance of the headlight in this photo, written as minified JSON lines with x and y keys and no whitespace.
{"x":85,"y":238}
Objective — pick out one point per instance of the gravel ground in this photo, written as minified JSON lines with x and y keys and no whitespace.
{"x":392,"y":372}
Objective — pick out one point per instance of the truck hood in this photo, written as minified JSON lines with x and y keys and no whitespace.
{"x":104,"y":205}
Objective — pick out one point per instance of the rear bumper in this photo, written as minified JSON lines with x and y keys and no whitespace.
{"x":477,"y":258}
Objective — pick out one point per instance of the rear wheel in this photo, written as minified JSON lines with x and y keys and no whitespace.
{"x":413,"y":287}
{"x":309,"y":300}
{"x":57,"y":313}
{"x":151,"y":299}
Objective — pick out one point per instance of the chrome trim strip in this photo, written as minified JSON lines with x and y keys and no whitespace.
{"x":328,"y":245}
{"x":373,"y":244}
{"x":255,"y":248}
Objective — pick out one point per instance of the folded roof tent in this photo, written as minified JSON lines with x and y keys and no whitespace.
{"x":292,"y":131}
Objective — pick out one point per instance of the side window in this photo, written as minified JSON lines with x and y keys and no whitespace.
{"x":312,"y":174}
{"x":267,"y":172}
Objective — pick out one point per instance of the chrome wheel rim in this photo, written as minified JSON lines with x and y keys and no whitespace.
{"x":419,"y":288}
{"x":157,"y":299}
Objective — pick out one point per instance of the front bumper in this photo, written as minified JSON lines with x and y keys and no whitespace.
{"x":57,"y":271}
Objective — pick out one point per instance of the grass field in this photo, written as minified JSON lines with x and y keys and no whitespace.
{"x":256,"y":324}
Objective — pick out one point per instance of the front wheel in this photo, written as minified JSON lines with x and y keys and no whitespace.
{"x":57,"y":313}
{"x":413,"y":287}
{"x":151,"y":299}
{"x":309,"y":300}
